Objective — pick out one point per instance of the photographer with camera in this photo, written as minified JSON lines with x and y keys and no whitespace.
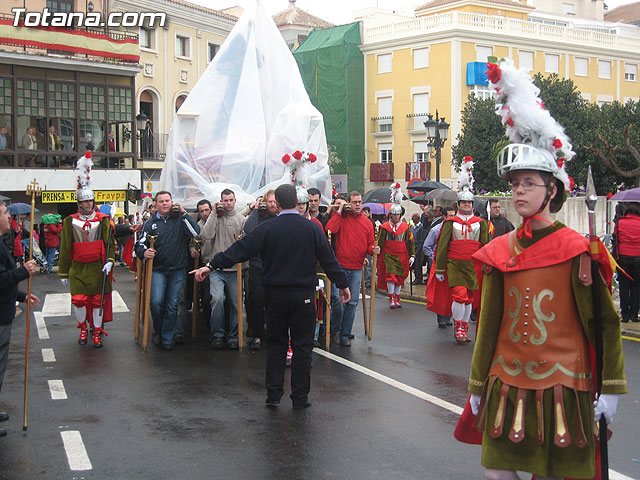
{"x":354,"y":241}
{"x":219,"y":232}
{"x":174,"y":229}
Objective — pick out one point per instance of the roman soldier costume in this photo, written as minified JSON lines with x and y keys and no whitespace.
{"x":87,"y":250}
{"x":453,"y":284}
{"x":396,"y":249}
{"x":531,"y":376}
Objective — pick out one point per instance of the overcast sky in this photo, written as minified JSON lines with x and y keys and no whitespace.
{"x":340,"y":11}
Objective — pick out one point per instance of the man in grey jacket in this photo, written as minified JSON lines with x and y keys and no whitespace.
{"x":222,"y":228}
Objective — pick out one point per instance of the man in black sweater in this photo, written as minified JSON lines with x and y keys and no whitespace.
{"x":10,"y":276}
{"x":290,"y":246}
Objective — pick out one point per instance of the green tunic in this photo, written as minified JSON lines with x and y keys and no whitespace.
{"x":546,"y":459}
{"x":392,"y":263}
{"x":84,"y":278}
{"x":459,"y":272}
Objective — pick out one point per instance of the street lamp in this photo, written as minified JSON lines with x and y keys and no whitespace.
{"x":437,"y":134}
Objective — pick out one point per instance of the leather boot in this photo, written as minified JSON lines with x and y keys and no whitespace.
{"x":392,"y":300}
{"x":398,"y":304}
{"x":465,"y":331}
{"x":82,"y":340}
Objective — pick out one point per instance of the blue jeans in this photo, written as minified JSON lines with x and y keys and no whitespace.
{"x":221,"y":285}
{"x":165,"y":292}
{"x":342,"y":316}
{"x":51,"y":255}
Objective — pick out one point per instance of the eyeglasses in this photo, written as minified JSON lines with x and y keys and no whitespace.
{"x":527,"y":185}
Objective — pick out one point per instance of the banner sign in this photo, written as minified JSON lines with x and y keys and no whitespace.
{"x":70,"y":196}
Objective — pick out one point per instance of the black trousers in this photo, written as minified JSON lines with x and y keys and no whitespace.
{"x":290,"y":311}
{"x":629,"y":287}
{"x":256,"y":300}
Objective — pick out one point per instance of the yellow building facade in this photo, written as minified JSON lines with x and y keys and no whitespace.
{"x":417,"y":66}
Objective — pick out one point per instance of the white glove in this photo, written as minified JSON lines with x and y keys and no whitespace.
{"x":606,"y":403}
{"x":440,"y":277}
{"x":411,"y":260}
{"x":320,"y":285}
{"x":64,"y":281}
{"x":107,"y":268}
{"x":474,"y":402}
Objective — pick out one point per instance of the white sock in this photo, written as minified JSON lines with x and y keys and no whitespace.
{"x":97,"y":318}
{"x":390,"y":288}
{"x":80,"y":314}
{"x":457,"y":311}
{"x":397,"y":289}
{"x":467,"y":312}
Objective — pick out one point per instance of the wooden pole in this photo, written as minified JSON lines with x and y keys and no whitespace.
{"x":147,"y":294}
{"x":33,"y":189}
{"x":327,"y":314}
{"x":194,"y":300}
{"x":139,"y":298}
{"x":374,"y":271}
{"x":240,"y":326}
{"x":364,"y":304}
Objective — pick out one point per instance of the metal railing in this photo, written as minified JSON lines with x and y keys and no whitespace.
{"x":499,"y":25}
{"x":153,"y":146}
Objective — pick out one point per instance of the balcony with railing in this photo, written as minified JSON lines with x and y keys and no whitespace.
{"x":415,"y":123}
{"x":501,"y":26}
{"x":153,"y":147}
{"x":382,"y":126}
{"x":107,"y":46}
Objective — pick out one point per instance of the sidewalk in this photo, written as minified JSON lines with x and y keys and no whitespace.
{"x":630,"y":329}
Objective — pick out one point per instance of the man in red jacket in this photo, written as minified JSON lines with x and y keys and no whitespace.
{"x":354,"y":240}
{"x":52,"y":242}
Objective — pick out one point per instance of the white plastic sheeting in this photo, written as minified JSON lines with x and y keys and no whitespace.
{"x":248,"y":109}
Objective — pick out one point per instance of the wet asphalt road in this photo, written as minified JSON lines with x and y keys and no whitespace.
{"x":196,"y":413}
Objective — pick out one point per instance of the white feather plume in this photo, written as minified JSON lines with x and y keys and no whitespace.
{"x":396,"y":193}
{"x":83,"y":168}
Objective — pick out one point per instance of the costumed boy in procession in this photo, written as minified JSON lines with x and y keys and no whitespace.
{"x":87,"y":251}
{"x":397,"y":250}
{"x":452,"y":289}
{"x":531,"y":378}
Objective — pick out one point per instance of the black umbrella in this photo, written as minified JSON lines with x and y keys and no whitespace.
{"x":421,"y":199}
{"x":379,"y":195}
{"x":427,"y":186}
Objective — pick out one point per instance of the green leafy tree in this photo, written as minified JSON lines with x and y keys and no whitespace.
{"x":481,"y":131}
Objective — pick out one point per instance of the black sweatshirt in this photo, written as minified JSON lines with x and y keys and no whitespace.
{"x":289,"y":245}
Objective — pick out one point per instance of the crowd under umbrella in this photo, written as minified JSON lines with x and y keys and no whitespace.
{"x":632,"y":195}
{"x":19,"y":209}
{"x":378,"y":195}
{"x":428,"y":185}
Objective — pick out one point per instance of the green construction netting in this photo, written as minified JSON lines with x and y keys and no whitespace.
{"x":332,"y":69}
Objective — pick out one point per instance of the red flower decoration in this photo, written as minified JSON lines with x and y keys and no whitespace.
{"x":572,"y":183}
{"x":509,"y":122}
{"x":557,"y":143}
{"x":493,"y":72}
{"x":286,"y":158}
{"x":397,"y":185}
{"x":88,"y":155}
{"x":297,"y":154}
{"x":312,"y":158}
{"x":541,"y":103}
{"x":560,"y":162}
{"x":609,"y":195}
{"x":468,"y":159}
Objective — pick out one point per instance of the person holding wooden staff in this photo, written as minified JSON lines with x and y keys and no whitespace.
{"x":354,"y":240}
{"x":397,"y":250}
{"x":222,"y":228}
{"x":174,"y":229}
{"x":531,"y":380}
{"x":289,"y":246}
{"x":87,"y":253}
{"x":10,"y":277}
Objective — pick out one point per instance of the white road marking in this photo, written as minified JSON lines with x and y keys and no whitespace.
{"x":74,"y":448}
{"x":43,"y":333}
{"x":48,"y":355}
{"x":390,"y":381}
{"x":59,"y":304}
{"x":56,"y":388}
{"x":613,"y":475}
